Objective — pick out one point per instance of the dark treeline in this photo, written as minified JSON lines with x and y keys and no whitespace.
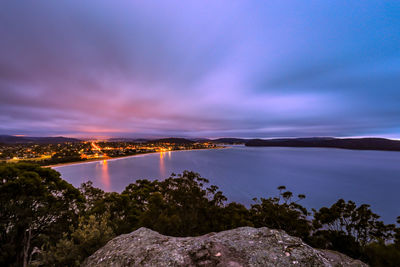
{"x":45,"y":221}
{"x":11,"y":139}
{"x":328,"y":142}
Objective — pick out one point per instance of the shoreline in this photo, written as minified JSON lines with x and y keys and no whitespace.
{"x":123,"y":157}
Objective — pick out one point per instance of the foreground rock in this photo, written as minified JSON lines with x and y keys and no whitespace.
{"x":244,"y":246}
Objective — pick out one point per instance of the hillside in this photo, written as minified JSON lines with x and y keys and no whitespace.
{"x":229,"y":141}
{"x":346,"y":143}
{"x":11,"y":139}
{"x":172,"y":140}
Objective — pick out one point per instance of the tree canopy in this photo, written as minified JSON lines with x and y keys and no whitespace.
{"x":44,"y":221}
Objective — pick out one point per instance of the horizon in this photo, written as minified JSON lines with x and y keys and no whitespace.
{"x":212,"y":69}
{"x":193,"y":138}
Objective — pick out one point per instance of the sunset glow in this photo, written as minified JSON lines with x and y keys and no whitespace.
{"x":199,"y":69}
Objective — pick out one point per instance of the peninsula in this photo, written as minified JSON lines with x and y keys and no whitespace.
{"x":329,"y":142}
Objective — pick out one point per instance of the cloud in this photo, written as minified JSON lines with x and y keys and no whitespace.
{"x":199,"y":68}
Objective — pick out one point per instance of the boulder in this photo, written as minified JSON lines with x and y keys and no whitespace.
{"x":245,"y":246}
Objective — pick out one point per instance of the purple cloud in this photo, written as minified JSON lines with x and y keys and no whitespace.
{"x":199,"y":68}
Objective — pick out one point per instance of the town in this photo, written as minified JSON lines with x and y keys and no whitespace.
{"x":66,"y":152}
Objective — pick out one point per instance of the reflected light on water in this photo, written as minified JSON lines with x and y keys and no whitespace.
{"x":105,"y":176}
{"x":162,"y":164}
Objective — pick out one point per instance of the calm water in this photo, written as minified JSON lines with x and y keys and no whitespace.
{"x":323,"y":175}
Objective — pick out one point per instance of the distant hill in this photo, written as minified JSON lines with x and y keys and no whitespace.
{"x":173,"y":140}
{"x":200,"y":140}
{"x":328,"y":142}
{"x":10,"y":139}
{"x":122,"y":139}
{"x":229,"y":141}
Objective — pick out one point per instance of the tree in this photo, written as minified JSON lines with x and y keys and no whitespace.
{"x":281,"y":213}
{"x":397,"y":234}
{"x":80,"y":242}
{"x":233,"y":215}
{"x":348,"y":228}
{"x":35,"y":204}
{"x":122,"y":219}
{"x":46,"y":221}
{"x":182,"y":206}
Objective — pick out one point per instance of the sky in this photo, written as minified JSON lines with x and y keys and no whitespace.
{"x":200,"y":68}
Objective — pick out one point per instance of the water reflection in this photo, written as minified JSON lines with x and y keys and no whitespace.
{"x":162,"y":164}
{"x":242,"y":173}
{"x":105,"y":176}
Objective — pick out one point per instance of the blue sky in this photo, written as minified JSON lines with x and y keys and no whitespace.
{"x":200,"y":68}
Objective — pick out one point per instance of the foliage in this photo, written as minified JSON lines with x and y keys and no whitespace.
{"x":121,"y":211}
{"x":397,"y":234}
{"x":181,"y":206}
{"x":378,"y":254}
{"x":80,"y":242}
{"x":44,"y":221}
{"x":348,"y":228}
{"x":35,"y":204}
{"x":282,"y":213}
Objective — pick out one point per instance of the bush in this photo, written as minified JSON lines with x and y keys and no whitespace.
{"x":82,"y":241}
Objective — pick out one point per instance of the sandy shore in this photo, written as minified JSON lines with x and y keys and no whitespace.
{"x":121,"y":157}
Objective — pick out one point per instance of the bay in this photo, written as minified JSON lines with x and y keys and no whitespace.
{"x":242,"y":173}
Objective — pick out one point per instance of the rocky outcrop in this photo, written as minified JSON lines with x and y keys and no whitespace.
{"x":244,"y":246}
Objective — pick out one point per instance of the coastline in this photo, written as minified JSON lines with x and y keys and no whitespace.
{"x":123,"y":157}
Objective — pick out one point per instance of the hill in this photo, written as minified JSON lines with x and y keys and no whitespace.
{"x":328,"y":142}
{"x":123,"y":139}
{"x":10,"y":139}
{"x":230,"y":141}
{"x":172,"y":140}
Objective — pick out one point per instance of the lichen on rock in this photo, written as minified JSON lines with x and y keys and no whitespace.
{"x":245,"y":246}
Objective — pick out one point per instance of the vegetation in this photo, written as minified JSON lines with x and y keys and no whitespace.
{"x":329,"y":142}
{"x":44,"y":221}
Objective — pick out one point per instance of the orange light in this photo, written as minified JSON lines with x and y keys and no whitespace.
{"x":105,"y":176}
{"x":162,"y":164}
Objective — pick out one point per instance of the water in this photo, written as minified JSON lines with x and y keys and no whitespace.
{"x":242,"y":173}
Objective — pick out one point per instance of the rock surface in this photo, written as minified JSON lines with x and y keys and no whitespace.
{"x":243,"y":246}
